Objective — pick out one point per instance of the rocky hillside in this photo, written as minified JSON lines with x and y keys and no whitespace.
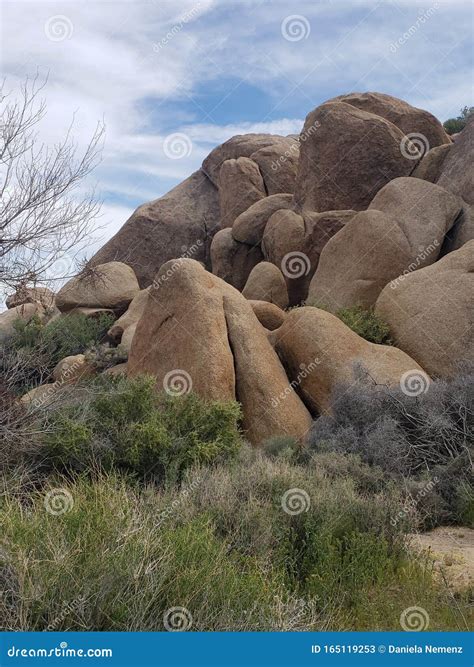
{"x":232,"y":284}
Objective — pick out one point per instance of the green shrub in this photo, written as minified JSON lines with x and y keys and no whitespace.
{"x":32,"y":353}
{"x":221,"y":546}
{"x":454,"y":125}
{"x":126,"y":424}
{"x":364,"y":322}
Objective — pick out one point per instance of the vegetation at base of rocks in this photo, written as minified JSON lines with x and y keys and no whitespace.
{"x":454,"y":125}
{"x":427,"y":441}
{"x":35,"y":349}
{"x":123,"y":423}
{"x":364,"y":322}
{"x":116,"y":555}
{"x":103,"y":356}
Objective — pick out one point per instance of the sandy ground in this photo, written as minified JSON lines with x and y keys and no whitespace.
{"x":452,"y":550}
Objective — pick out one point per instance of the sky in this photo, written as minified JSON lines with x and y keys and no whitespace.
{"x":172,"y":79}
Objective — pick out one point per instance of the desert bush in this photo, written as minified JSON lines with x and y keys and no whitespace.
{"x":364,"y":322}
{"x":126,"y":424}
{"x":454,"y":125}
{"x":116,"y":556}
{"x":426,"y":439}
{"x":32,"y":353}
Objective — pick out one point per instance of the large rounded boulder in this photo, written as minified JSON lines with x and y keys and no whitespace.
{"x":347,"y":156}
{"x":410,"y":120}
{"x":231,"y":260}
{"x":112,"y":285}
{"x":430,"y":312}
{"x":402,"y":230}
{"x":181,"y":223}
{"x":198,"y":333}
{"x":320,"y":353}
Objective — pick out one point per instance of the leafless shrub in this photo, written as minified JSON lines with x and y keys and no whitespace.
{"x":43,"y":216}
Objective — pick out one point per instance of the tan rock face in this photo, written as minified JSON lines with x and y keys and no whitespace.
{"x":270,"y":316}
{"x":430,"y":312}
{"x":73,"y":368}
{"x":429,"y":167}
{"x":182,"y":335}
{"x":266,"y":283}
{"x":278,"y":165}
{"x":112,"y":285}
{"x":181,"y":223}
{"x":407,"y":118}
{"x":320,"y":352}
{"x":249,"y":226}
{"x":199,"y":333}
{"x":294,"y":243}
{"x":233,"y":261}
{"x":347,"y":156}
{"x":357,"y":263}
{"x":403,"y":229}
{"x":41,"y":295}
{"x":424,"y":212}
{"x":241,"y":185}
{"x":9,"y":318}
{"x":130,"y":316}
{"x":242,"y":145}
{"x":457,"y":177}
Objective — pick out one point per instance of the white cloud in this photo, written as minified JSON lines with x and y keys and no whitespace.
{"x":115,"y":65}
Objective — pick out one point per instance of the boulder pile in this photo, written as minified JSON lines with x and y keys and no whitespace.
{"x":230,"y":285}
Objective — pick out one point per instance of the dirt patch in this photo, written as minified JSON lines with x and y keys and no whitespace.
{"x":452,"y":550}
